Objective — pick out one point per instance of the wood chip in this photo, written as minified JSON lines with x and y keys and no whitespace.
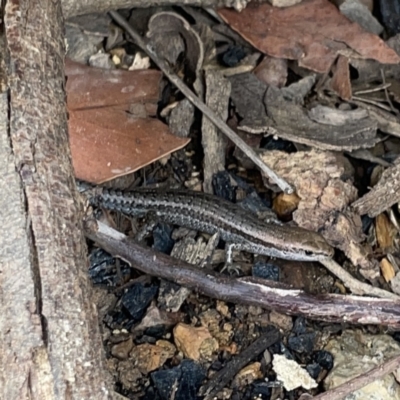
{"x":387,"y":270}
{"x":382,"y":196}
{"x":214,"y":142}
{"x":289,"y":120}
{"x":285,"y":204}
{"x":384,"y":232}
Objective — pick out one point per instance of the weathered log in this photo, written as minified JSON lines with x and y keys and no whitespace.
{"x":50,"y":344}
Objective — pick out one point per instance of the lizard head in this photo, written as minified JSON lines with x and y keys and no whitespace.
{"x":311,"y":244}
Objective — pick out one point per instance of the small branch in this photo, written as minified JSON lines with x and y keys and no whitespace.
{"x":354,"y":284}
{"x":221,"y":378}
{"x":372,"y":90}
{"x":359,"y":382}
{"x":283,"y":185}
{"x":373,"y":102}
{"x":387,"y":93}
{"x":250,"y":291}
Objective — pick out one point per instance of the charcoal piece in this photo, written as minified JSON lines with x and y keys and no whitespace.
{"x":396,"y":336}
{"x":314,"y":369}
{"x":217,"y":365}
{"x":151,"y":394}
{"x":261,"y":390}
{"x":390,"y":13}
{"x":247,"y":95}
{"x":242,"y":183}
{"x":223,"y":187}
{"x":137,"y":298}
{"x":280,"y":348}
{"x":300,"y":326}
{"x":158,"y":331}
{"x":256,"y":205}
{"x":188,"y":376}
{"x":366,"y":223}
{"x":302,"y":343}
{"x":162,"y":238}
{"x":99,"y":256}
{"x":324,"y":359}
{"x":102,"y":268}
{"x":181,"y":165}
{"x":116,"y":319}
{"x":272,"y":143}
{"x":233,"y":56}
{"x":266,"y":271}
{"x":146,"y":339}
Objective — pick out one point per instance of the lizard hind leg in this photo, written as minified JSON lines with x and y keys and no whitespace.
{"x":229,"y":266}
{"x":147,"y":228}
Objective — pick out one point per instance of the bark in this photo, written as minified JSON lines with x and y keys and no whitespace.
{"x":72,"y":8}
{"x":50,"y":346}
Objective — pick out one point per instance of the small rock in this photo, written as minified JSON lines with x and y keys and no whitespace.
{"x":355,"y":353}
{"x":255,"y":310}
{"x":223,"y":309}
{"x":302,"y":343}
{"x":167,"y":346}
{"x":181,"y":382}
{"x":291,"y":374}
{"x":101,"y":60}
{"x":150,"y":357}
{"x":248,"y":375}
{"x":357,"y":12}
{"x":194,"y":343}
{"x":211,"y":319}
{"x":121,"y":350}
{"x":129,"y":376}
{"x":281,"y":321}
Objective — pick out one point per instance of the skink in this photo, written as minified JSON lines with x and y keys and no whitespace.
{"x":210,"y":214}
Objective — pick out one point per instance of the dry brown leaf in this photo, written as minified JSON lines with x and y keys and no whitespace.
{"x":110,"y":132}
{"x":340,"y":82}
{"x":313,"y":32}
{"x":89,"y":87}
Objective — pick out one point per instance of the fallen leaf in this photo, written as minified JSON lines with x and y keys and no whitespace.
{"x":340,"y":82}
{"x":107,"y":137}
{"x":313,"y":32}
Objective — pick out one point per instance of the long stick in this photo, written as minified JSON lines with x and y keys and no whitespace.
{"x":283,"y":185}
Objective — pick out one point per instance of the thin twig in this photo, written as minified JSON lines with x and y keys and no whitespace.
{"x":375,"y":103}
{"x":354,"y":284}
{"x":283,"y":185}
{"x":387,"y":93}
{"x":372,"y":90}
